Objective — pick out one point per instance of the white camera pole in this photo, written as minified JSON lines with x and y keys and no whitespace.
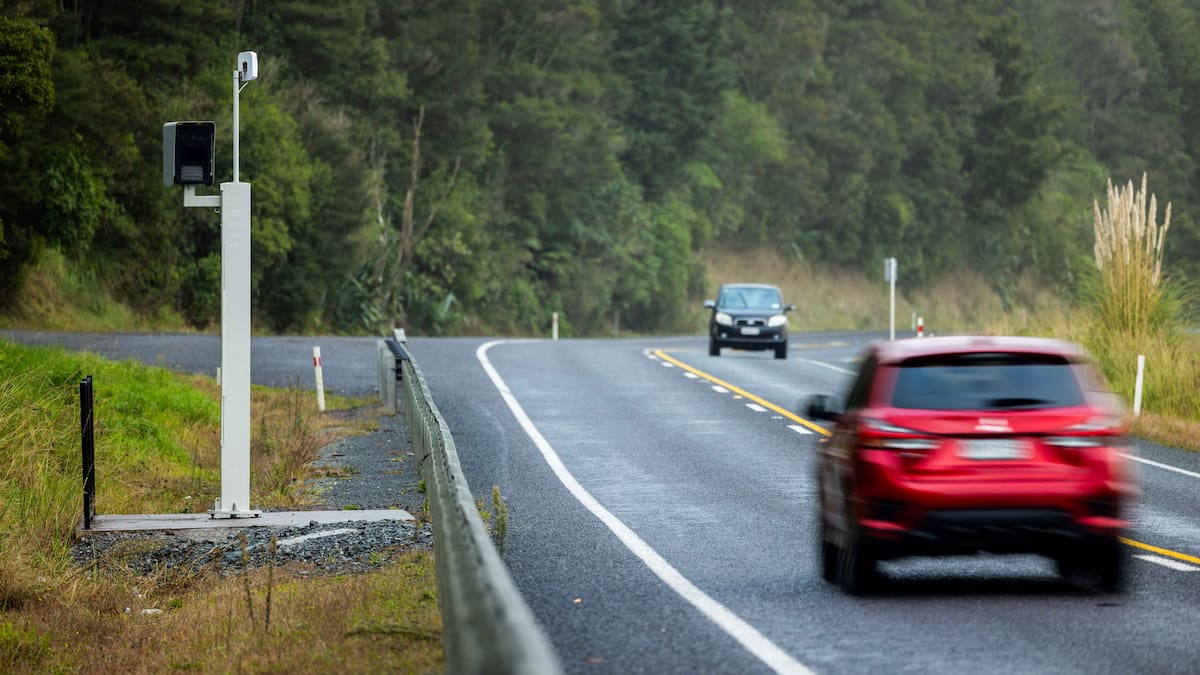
{"x":233,"y":375}
{"x":235,"y":323}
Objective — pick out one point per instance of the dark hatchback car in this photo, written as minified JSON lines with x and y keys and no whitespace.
{"x":958,"y":445}
{"x":748,"y":316}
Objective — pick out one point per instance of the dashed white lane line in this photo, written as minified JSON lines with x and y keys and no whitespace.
{"x":736,"y":627}
{"x":691,"y":376}
{"x":799,"y":429}
{"x":668,"y":365}
{"x":719,"y":389}
{"x":756,"y":407}
{"x":1167,"y":562}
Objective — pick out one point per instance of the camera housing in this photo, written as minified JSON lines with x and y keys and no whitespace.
{"x":189,"y":151}
{"x":247,"y":66}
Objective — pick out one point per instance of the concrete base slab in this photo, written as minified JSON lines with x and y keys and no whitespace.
{"x":193,"y":521}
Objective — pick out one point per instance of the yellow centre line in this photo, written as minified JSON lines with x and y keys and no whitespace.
{"x":824,"y":432}
{"x":742,"y":392}
{"x":1162,"y":551}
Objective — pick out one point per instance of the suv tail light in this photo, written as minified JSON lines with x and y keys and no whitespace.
{"x":1097,"y":432}
{"x":879,"y":433}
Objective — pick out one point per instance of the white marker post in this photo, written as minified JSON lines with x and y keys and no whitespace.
{"x":889,"y":275}
{"x":920,"y":327}
{"x":554,"y":326}
{"x":1137,"y":387}
{"x":320,"y":379}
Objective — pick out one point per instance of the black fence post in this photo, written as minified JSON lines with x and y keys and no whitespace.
{"x":87,"y":431}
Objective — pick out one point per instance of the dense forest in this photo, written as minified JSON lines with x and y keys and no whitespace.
{"x":474,"y":165}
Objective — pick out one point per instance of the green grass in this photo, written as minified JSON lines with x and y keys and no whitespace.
{"x":61,"y":295}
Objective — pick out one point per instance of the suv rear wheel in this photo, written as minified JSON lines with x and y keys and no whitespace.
{"x":857,"y":571}
{"x":1110,"y":563}
{"x":829,"y":553}
{"x":1101,"y":564}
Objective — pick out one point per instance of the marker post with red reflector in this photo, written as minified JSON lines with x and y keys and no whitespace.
{"x":920,"y":326}
{"x":320,"y":379}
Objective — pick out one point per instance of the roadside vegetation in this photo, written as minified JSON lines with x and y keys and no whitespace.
{"x":490,"y":163}
{"x":157,"y":440}
{"x":1129,"y":307}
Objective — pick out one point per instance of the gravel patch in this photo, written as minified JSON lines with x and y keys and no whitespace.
{"x":374,"y":470}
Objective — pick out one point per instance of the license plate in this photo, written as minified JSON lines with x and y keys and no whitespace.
{"x":992,"y":448}
{"x":749,"y":331}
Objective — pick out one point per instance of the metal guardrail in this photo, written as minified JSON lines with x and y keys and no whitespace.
{"x":486,"y":625}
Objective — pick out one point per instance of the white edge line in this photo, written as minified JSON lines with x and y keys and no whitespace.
{"x":1168,"y":467}
{"x":1167,"y":562}
{"x":748,"y":636}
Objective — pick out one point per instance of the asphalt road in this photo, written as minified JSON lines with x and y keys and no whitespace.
{"x":662,"y":522}
{"x":721,"y":495}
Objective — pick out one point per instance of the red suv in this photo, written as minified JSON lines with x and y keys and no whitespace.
{"x":956,"y":445}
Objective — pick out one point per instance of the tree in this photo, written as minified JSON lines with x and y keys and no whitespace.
{"x":26,"y":98}
{"x":675,"y":57}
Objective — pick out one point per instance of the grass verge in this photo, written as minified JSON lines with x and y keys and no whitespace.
{"x":157,"y":438}
{"x":1170,"y":407}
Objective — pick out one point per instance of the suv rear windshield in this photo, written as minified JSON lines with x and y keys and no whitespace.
{"x":986,"y":381}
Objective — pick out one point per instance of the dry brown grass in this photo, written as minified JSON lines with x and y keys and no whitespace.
{"x":1129,"y":251}
{"x":831,"y":298}
{"x":288,"y":434}
{"x":386,"y":621}
{"x":1170,"y":408}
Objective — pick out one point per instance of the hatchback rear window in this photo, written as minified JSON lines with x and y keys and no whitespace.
{"x":986,"y":381}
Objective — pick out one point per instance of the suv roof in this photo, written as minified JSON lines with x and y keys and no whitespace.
{"x":744,"y":285}
{"x":902,"y":350}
